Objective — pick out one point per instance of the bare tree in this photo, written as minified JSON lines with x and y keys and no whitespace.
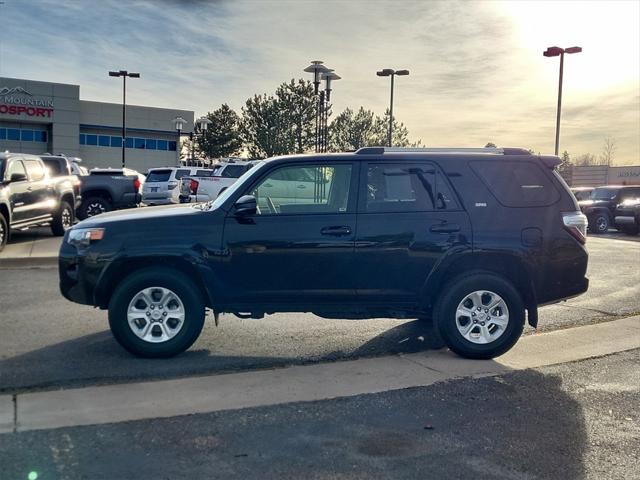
{"x":608,"y":150}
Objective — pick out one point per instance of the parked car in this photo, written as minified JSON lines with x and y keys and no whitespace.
{"x":29,"y":197}
{"x":61,"y":171}
{"x":627,"y":216}
{"x":200,"y":188}
{"x":475,"y":239}
{"x":602,"y":203}
{"x":160,"y":185}
{"x":106,"y":189}
{"x":582,"y":193}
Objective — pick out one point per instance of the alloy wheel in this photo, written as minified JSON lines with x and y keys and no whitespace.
{"x":482,"y":317}
{"x":95,"y":208}
{"x":156,"y":314}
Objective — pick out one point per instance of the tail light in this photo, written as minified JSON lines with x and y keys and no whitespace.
{"x":136,"y":184}
{"x":576,"y":224}
{"x":172,"y":185}
{"x":193,"y":187}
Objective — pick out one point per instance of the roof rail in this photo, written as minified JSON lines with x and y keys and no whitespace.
{"x":490,"y":150}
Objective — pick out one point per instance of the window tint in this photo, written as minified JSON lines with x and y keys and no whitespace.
{"x":162,"y":144}
{"x":139,"y":142}
{"x":3,"y":133}
{"x":34,"y":169}
{"x":116,"y":142}
{"x":405,"y":188}
{"x":158,"y":175}
{"x":182,"y":173}
{"x":54,"y":166}
{"x":204,"y":173}
{"x":516,"y":184}
{"x":15,"y":167}
{"x":26,"y":135}
{"x":104,"y":140}
{"x":233,"y":171}
{"x":92,"y":139}
{"x":327,"y":192}
{"x":13,"y":134}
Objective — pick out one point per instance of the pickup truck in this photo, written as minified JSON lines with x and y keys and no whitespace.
{"x":61,"y":170}
{"x":30,"y":197}
{"x":198,"y":188}
{"x":109,"y":189}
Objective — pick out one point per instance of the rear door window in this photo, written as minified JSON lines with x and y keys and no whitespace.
{"x":54,"y":166}
{"x":408,"y":187}
{"x":233,"y":171}
{"x":516,"y":183}
{"x":158,"y":176}
{"x":35,"y":170}
{"x":181,"y":172}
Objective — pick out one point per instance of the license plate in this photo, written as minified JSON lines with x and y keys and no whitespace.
{"x":154,"y":189}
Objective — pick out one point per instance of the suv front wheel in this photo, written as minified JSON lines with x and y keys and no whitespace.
{"x":156,"y":313}
{"x":480,"y":316}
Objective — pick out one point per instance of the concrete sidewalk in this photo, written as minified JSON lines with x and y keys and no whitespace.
{"x":169,"y":398}
{"x":35,"y":247}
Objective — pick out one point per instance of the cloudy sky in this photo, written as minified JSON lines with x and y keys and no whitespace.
{"x":477,"y":70}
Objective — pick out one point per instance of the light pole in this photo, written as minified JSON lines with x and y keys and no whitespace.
{"x":389,"y":72}
{"x":554,"y":52}
{"x":200,"y":127}
{"x":321,"y":72}
{"x":124,"y":74}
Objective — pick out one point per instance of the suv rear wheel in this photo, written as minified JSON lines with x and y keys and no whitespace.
{"x":480,"y":316}
{"x":599,"y":223}
{"x":156,"y":312}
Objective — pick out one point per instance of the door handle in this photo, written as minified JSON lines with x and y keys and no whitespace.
{"x":444,"y":228}
{"x":301,"y":186}
{"x":268,"y":185}
{"x":336,"y":231}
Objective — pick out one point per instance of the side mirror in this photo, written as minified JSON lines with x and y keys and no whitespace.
{"x":246,"y":205}
{"x":18,"y":177}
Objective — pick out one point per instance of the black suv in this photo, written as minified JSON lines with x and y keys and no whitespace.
{"x":472,"y":239}
{"x":601,"y":206}
{"x":29,"y":196}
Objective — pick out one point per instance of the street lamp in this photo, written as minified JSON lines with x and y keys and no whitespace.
{"x":199,"y":127}
{"x":317,"y":68}
{"x":389,"y":72}
{"x":321,"y":72}
{"x":555,"y":52}
{"x":124,"y":74}
{"x":178,"y":124}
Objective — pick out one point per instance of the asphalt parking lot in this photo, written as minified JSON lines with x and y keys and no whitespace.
{"x":47,"y":342}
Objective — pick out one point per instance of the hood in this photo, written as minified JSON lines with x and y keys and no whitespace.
{"x":140,"y":214}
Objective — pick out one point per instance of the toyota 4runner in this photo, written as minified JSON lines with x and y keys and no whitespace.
{"x":471,"y":239}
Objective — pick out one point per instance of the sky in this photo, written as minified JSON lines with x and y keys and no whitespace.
{"x":477,"y":70}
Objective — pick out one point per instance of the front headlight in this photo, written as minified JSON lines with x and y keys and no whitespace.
{"x":82,"y":237}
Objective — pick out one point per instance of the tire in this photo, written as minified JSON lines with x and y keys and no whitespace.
{"x":93,"y":206}
{"x":599,"y":223}
{"x":63,"y":220}
{"x":4,"y":231}
{"x":173,"y":338}
{"x":497,"y":339}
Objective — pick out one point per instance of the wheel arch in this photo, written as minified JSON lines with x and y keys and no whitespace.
{"x":120,"y":269}
{"x":6,"y":213}
{"x":506,"y":265}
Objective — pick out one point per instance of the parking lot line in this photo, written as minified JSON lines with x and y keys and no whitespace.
{"x":168,"y":398}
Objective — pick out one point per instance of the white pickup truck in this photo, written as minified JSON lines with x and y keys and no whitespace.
{"x":203,"y":189}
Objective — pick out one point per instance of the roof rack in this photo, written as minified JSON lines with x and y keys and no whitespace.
{"x":489,"y":150}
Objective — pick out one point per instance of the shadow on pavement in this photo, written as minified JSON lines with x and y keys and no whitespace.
{"x":97,"y":358}
{"x":519,"y":425}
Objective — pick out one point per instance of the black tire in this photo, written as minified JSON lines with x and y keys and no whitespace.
{"x":93,"y":206}
{"x":4,"y":231}
{"x":63,"y":220}
{"x":178,"y":283}
{"x":455,"y":292}
{"x":599,"y":223}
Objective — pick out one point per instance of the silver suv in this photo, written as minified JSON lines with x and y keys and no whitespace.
{"x":160,"y":186}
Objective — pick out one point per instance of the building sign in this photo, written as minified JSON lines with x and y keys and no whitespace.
{"x":18,"y":101}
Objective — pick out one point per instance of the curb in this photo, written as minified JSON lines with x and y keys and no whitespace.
{"x":28,"y":262}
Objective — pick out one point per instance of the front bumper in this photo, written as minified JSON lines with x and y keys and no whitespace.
{"x":77,"y":275}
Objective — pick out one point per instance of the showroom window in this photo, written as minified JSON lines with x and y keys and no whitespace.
{"x":104,"y":140}
{"x":24,"y":135}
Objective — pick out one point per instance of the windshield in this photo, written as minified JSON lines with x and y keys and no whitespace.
{"x":239,"y":184}
{"x":604,"y":193}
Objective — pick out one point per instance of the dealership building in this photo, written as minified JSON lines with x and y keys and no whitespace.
{"x":38,"y":117}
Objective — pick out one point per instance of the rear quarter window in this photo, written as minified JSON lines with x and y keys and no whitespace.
{"x":516,"y":184}
{"x":158,"y":175}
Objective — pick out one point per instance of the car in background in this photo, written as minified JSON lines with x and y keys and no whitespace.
{"x":582,"y":193}
{"x":601,"y":205}
{"x":160,"y":187}
{"x":30,"y":197}
{"x":627,"y":216}
{"x":106,"y":189}
{"x":206,"y":188}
